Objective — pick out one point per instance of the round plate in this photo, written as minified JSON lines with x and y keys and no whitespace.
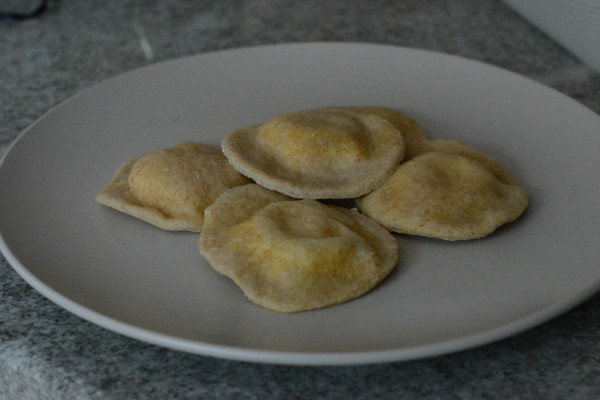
{"x":132,"y":278}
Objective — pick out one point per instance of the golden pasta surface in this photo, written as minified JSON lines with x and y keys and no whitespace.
{"x":446,"y":196}
{"x":292,"y":255}
{"x":317,"y":154}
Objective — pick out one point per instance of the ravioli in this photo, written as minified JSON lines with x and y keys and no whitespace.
{"x":291,"y":255}
{"x":446,"y":196}
{"x":171,"y":188}
{"x":317,"y":154}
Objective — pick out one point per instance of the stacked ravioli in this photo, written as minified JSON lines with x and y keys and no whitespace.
{"x":261,"y":201}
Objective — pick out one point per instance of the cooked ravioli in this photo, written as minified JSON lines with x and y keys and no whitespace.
{"x":317,"y":154}
{"x":291,"y":255}
{"x":446,"y":196}
{"x":171,"y":188}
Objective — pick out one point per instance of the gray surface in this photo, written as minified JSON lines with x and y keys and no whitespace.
{"x":46,"y":352}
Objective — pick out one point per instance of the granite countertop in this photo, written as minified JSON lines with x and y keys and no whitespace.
{"x":47,"y":353}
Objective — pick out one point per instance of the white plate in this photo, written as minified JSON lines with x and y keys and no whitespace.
{"x":137,"y":280}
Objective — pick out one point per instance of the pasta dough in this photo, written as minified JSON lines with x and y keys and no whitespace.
{"x":446,"y":196}
{"x":292,"y":255}
{"x":317,"y":154}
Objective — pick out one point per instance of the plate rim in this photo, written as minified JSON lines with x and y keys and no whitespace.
{"x":291,"y":357}
{"x":295,"y":357}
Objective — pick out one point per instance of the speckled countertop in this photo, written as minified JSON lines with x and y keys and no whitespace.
{"x":47,"y":353}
